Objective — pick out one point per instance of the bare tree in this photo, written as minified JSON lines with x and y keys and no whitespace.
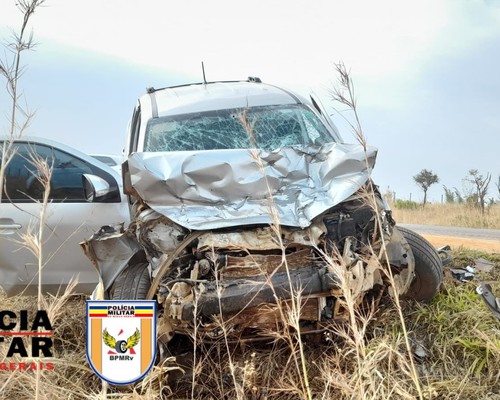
{"x":481,"y":184}
{"x":11,"y":69}
{"x":425,"y":179}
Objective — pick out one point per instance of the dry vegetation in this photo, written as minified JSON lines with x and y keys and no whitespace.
{"x":449,"y":215}
{"x":459,"y":336}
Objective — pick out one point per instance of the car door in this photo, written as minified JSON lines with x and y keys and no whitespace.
{"x":69,"y":218}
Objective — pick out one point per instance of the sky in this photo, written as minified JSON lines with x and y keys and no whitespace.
{"x":426,"y":73}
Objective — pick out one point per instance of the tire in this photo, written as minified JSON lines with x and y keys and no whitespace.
{"x":121,"y":346}
{"x":132,"y":284}
{"x":428,"y":267}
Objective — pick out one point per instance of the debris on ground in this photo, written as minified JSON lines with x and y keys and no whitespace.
{"x":493,"y":303}
{"x":463,"y":274}
{"x":483,"y":265}
{"x":445,"y":254}
{"x":419,"y":351}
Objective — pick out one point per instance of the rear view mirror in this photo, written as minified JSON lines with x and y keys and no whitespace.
{"x":94,"y":187}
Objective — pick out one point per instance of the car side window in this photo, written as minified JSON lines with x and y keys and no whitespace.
{"x":21,"y":176}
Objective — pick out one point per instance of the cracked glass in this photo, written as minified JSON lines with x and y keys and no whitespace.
{"x":269,"y":128}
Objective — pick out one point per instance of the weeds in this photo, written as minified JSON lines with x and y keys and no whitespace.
{"x":460,"y":337}
{"x":345,"y":95}
{"x":33,"y":383}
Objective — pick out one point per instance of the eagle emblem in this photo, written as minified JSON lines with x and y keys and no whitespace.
{"x":121,"y":346}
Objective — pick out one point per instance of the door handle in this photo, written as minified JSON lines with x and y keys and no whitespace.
{"x":7,"y":226}
{"x":11,"y":226}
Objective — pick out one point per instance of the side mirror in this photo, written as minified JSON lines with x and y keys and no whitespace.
{"x":94,"y":187}
{"x":128,"y":189}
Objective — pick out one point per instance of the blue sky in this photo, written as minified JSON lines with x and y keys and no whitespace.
{"x":426,"y":72}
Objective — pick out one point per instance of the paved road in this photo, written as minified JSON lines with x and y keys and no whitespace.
{"x":452,"y":231}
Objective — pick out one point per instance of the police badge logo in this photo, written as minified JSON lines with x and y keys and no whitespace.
{"x":121,"y":339}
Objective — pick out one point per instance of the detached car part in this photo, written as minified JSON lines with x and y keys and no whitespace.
{"x":493,"y":303}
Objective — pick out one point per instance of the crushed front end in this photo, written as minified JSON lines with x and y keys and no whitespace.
{"x":301,"y":225}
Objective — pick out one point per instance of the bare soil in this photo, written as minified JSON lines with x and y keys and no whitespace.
{"x":489,"y":246}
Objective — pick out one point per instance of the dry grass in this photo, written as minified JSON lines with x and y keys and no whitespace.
{"x":71,"y":377}
{"x":460,"y":337}
{"x":449,"y":215}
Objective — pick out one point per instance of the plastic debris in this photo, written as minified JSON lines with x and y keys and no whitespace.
{"x":419,"y":351}
{"x":483,"y":265}
{"x":493,"y":303}
{"x":462,"y":274}
{"x":470,"y":269}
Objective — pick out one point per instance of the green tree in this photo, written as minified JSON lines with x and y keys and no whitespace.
{"x":449,"y":195}
{"x":458,"y":196}
{"x":424,"y":179}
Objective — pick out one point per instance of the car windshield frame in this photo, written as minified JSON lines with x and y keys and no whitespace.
{"x":264,"y":127}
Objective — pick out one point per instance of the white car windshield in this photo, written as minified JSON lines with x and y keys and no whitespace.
{"x":268,"y":128}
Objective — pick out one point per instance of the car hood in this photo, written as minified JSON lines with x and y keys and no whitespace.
{"x":202,"y":190}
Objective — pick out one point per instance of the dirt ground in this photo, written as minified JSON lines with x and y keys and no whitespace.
{"x":489,"y":246}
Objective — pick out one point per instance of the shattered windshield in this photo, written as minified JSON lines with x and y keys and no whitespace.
{"x":268,"y":128}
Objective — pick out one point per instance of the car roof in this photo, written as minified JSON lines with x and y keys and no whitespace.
{"x":108,"y":159}
{"x":202,"y":97}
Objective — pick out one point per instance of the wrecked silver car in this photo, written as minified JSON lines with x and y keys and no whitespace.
{"x":243,"y":196}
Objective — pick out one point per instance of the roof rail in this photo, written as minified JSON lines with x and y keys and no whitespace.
{"x":255,"y":79}
{"x":151,"y":89}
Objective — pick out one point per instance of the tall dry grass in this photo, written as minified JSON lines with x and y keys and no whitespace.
{"x":11,"y":69}
{"x":459,"y":336}
{"x":449,"y":215}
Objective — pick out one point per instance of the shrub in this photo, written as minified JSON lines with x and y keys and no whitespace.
{"x":405,"y":204}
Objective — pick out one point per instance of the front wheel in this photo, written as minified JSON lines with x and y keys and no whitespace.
{"x":132,"y":284}
{"x":428,"y":267}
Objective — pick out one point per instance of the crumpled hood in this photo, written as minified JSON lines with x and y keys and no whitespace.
{"x":202,"y":190}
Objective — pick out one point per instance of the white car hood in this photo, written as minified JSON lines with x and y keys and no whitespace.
{"x":202,"y":190}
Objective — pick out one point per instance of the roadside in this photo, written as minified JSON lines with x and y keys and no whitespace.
{"x":488,"y":246}
{"x":487,"y":240}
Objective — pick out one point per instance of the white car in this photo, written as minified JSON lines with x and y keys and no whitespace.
{"x":71,"y":218}
{"x":244,"y":192}
{"x":112,"y":160}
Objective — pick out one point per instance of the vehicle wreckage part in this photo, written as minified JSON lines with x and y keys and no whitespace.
{"x":428,"y":267}
{"x":202,"y":190}
{"x":111,"y":252}
{"x":157,"y":233}
{"x":228,"y":297}
{"x":493,"y":303}
{"x":401,"y":258}
{"x":262,"y":238}
{"x":167,"y":262}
